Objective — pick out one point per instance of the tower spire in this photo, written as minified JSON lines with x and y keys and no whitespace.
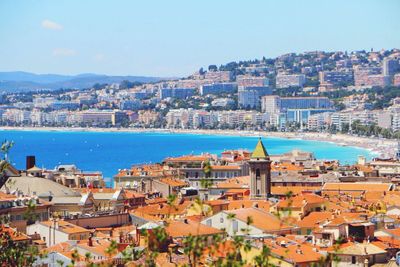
{"x":260,"y":151}
{"x":260,"y":172}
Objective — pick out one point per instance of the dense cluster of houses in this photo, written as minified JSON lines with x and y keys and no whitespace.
{"x":307,"y":211}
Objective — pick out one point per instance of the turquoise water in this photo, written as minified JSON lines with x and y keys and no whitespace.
{"x":110,"y":151}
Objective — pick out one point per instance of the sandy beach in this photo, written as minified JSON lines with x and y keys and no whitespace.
{"x":378,"y":146}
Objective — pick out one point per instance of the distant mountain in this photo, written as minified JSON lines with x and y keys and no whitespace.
{"x":26,"y":81}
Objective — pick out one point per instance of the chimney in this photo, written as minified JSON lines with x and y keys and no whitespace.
{"x":56,"y":224}
{"x":30,"y":162}
{"x":90,"y":241}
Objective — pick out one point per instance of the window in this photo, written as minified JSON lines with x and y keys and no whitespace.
{"x":353,"y":260}
{"x":235,"y":226}
{"x":258,"y":174}
{"x":208,"y":222}
{"x":326,"y":236}
{"x":221,"y":220}
{"x":196,"y":175}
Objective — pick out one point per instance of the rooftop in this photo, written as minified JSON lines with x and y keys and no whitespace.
{"x":259,"y":151}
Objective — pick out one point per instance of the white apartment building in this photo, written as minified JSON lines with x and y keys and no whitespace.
{"x":290,"y":80}
{"x":271,"y":104}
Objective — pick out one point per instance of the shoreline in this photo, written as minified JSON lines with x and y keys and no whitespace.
{"x":376,"y":146}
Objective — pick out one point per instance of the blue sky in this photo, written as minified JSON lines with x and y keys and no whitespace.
{"x":177,"y":37}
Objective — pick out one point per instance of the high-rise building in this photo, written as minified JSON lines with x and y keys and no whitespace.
{"x":260,"y":173}
{"x":180,"y":93}
{"x":250,"y":97}
{"x":271,"y":104}
{"x":275,"y":104}
{"x":219,"y":76}
{"x":218,"y":88}
{"x":370,"y":76}
{"x":252,"y":81}
{"x":390,"y":66}
{"x":290,"y":80}
{"x":336,"y":78}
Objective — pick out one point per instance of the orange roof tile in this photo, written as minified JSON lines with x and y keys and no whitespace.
{"x":178,"y":229}
{"x":5,"y":196}
{"x":248,"y":203}
{"x":237,"y":182}
{"x":225,"y":167}
{"x":286,"y":167}
{"x":216,"y":202}
{"x":313,"y":219}
{"x":173,"y":182}
{"x":188,"y":158}
{"x":13,"y":233}
{"x":301,"y":200}
{"x":66,"y":227}
{"x":261,"y":219}
{"x":164,"y":209}
{"x":283,"y":190}
{"x":296,"y":253}
{"x":357,"y":187}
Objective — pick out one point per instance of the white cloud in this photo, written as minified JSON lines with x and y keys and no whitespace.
{"x":64,"y":52}
{"x":51,"y":25}
{"x":98,"y":57}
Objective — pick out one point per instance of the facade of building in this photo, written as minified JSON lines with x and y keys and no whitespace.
{"x":275,"y":104}
{"x":250,"y":97}
{"x":290,"y":80}
{"x":260,"y":173}
{"x":336,"y":78}
{"x":251,"y":81}
{"x":218,"y":88}
{"x":180,"y":93}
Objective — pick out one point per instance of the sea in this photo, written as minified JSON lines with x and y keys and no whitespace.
{"x":110,"y":151}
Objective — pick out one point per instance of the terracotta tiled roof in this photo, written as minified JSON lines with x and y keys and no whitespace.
{"x":6,"y":197}
{"x":359,"y":249}
{"x":283,"y":190}
{"x":394,"y":232}
{"x":164,"y":209}
{"x":286,"y":167}
{"x":60,"y":247}
{"x":237,"y":182}
{"x":156,"y":200}
{"x":66,"y":227}
{"x":173,"y":182}
{"x":261,"y":219}
{"x":248,"y":203}
{"x":130,"y":194}
{"x":357,"y":187}
{"x":216,"y":202}
{"x":98,"y":246}
{"x":188,"y":158}
{"x":295,"y":252}
{"x":313,"y":219}
{"x":178,"y":229}
{"x":225,"y":167}
{"x":301,"y":200}
{"x":13,"y":233}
